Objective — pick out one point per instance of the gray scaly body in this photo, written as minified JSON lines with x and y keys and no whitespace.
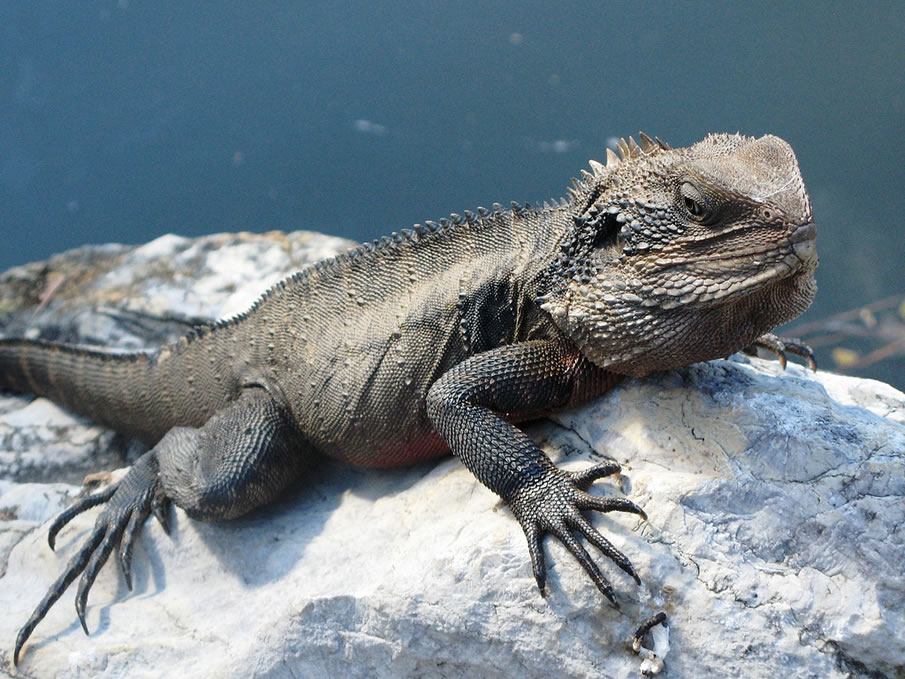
{"x":442,"y":338}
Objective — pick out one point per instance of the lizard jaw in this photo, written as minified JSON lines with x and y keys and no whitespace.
{"x":804,"y":244}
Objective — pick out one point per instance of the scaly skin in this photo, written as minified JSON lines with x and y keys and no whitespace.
{"x":443,"y":338}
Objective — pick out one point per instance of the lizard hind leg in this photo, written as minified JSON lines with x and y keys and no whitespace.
{"x":242,"y":457}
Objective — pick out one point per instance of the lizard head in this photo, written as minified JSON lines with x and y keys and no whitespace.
{"x":683,"y":255}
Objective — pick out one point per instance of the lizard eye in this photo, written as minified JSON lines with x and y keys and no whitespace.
{"x":694,"y":201}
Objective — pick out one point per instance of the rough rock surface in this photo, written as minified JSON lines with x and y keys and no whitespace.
{"x":775,"y":544}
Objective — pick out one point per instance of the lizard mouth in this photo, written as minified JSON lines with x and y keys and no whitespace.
{"x":703,"y":280}
{"x":804,"y":243}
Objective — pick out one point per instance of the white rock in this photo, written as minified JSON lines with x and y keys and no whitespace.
{"x":775,"y":545}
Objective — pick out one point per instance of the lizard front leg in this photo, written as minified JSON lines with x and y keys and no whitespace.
{"x":471,"y":406}
{"x":242,"y":457}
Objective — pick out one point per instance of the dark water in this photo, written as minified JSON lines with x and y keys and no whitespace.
{"x":121,"y":121}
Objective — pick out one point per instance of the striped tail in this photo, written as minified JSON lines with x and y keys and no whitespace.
{"x":109,"y":388}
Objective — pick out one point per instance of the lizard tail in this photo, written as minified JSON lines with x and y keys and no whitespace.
{"x":112,"y":389}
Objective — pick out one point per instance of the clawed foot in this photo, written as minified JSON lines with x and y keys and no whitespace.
{"x":129,"y":502}
{"x":554,"y":505}
{"x":780,"y":346}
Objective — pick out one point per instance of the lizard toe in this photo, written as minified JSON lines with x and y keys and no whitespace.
{"x":582,"y":525}
{"x":538,"y":562}
{"x":584,"y":478}
{"x":77,"y":508}
{"x":590,"y":567}
{"x":97,"y":557}
{"x":780,"y":346}
{"x":609,"y":504}
{"x":160,"y":505}
{"x":136,"y":519}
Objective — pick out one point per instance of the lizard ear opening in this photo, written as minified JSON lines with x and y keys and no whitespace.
{"x":607,"y":230}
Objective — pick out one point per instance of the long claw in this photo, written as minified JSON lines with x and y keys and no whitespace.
{"x":160,"y":505}
{"x":591,"y":568}
{"x":538,"y":563}
{"x":77,"y":508}
{"x":73,"y":568}
{"x":125,"y":549}
{"x":610,"y":504}
{"x":780,"y":346}
{"x":98,"y":559}
{"x":798,"y":348}
{"x":583,"y":526}
{"x":584,"y":478}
